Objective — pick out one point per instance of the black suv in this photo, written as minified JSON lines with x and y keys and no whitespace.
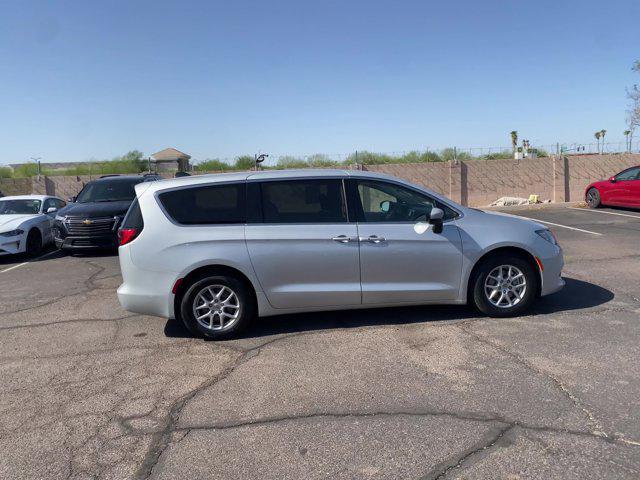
{"x":91,"y":219}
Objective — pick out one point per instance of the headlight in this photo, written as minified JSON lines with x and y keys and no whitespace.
{"x":12,"y":233}
{"x":548,"y":236}
{"x":60,"y":218}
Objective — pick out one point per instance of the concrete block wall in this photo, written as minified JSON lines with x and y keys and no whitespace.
{"x":473,"y":183}
{"x":488,"y":180}
{"x":15,"y":186}
{"x":584,"y":169}
{"x":435,"y":176}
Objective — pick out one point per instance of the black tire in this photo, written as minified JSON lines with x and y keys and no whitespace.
{"x":34,"y":243}
{"x":245,"y":301}
{"x":480,"y":298}
{"x":593,"y":198}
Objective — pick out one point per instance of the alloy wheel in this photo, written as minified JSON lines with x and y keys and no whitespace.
{"x":216,"y":307}
{"x":505,"y":286}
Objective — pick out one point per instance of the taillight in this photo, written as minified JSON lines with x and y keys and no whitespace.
{"x":126,"y":235}
{"x":132,"y":224}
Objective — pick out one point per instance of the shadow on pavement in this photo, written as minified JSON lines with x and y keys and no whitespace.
{"x":51,"y":253}
{"x":576,"y":294}
{"x":47,"y":253}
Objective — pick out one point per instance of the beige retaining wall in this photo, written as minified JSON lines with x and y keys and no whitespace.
{"x":480,"y":182}
{"x":473,"y":183}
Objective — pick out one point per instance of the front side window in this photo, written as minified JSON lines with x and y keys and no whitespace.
{"x":303,"y":201}
{"x":19,"y":207}
{"x":206,"y":205}
{"x":48,"y":203}
{"x":108,"y":191}
{"x":388,"y":202}
{"x":631,"y":174}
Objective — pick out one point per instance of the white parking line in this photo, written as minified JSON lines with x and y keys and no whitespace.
{"x":564,"y":226}
{"x":608,"y":213}
{"x":26,"y":263}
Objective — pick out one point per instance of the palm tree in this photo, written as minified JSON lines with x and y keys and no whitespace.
{"x":602,"y":134}
{"x":626,"y":142}
{"x":597,"y":135}
{"x":514,"y":139}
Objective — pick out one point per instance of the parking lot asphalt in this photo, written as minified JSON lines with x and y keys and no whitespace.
{"x":88,"y":390}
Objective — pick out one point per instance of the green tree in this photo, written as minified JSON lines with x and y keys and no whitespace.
{"x":514,"y":140}
{"x":602,"y":134}
{"x":597,"y":135}
{"x":626,"y":134}
{"x":6,"y":172}
{"x":449,"y":154}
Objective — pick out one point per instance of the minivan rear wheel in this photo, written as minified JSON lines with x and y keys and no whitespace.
{"x":504,"y":286}
{"x":217,"y":306}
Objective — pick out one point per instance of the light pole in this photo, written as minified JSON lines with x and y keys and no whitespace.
{"x":37,"y":160}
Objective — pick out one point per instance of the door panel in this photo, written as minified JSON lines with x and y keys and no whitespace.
{"x":301,"y":266}
{"x":634,"y":193}
{"x":302,"y":247}
{"x":399,"y":262}
{"x":622,"y":190}
{"x":408,"y":266}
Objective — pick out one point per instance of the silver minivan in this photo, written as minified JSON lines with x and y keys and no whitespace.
{"x":218,"y":251}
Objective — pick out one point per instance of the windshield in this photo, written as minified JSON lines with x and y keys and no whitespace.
{"x":16,"y":207}
{"x":113,"y":191}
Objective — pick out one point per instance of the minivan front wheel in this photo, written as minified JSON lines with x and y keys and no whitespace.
{"x":504,"y":286}
{"x":217,"y":307}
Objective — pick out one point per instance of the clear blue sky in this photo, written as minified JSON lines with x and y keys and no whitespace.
{"x":88,"y":79}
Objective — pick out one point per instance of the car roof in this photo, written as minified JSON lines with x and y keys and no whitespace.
{"x":119,"y":178}
{"x":269,"y":175}
{"x":28,"y":197}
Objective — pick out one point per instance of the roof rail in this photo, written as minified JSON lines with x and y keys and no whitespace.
{"x":110,"y":175}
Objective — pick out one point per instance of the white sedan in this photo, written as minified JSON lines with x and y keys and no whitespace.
{"x":25,"y":223}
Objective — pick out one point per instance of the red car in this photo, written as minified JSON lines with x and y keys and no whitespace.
{"x":621,"y":190}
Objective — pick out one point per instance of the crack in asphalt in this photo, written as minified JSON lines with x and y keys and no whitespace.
{"x":442,"y":470}
{"x":88,"y":284}
{"x":162,"y":439}
{"x":62,"y":322}
{"x":555,"y":381}
{"x":458,"y":415}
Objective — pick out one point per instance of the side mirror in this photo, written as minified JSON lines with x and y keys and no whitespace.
{"x":52,"y":210}
{"x":71,"y":199}
{"x":613,"y":179}
{"x":385,"y":206}
{"x":435,"y":218}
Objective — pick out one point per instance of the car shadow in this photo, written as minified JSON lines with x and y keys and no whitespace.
{"x":576,"y":294}
{"x":47,"y":253}
{"x":94,"y":253}
{"x":624,"y":209}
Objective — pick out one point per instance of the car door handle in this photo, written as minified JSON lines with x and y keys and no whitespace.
{"x":341,"y":239}
{"x":372,"y":239}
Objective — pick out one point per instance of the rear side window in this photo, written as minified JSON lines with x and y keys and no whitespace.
{"x":303,"y":201}
{"x":208,"y":205}
{"x":133,"y":218}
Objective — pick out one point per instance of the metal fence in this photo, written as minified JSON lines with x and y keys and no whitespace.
{"x":469,"y":153}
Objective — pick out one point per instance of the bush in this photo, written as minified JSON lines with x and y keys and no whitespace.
{"x":505,"y":154}
{"x":212,"y":165}
{"x":25,"y":170}
{"x":6,"y":172}
{"x":244,"y":162}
